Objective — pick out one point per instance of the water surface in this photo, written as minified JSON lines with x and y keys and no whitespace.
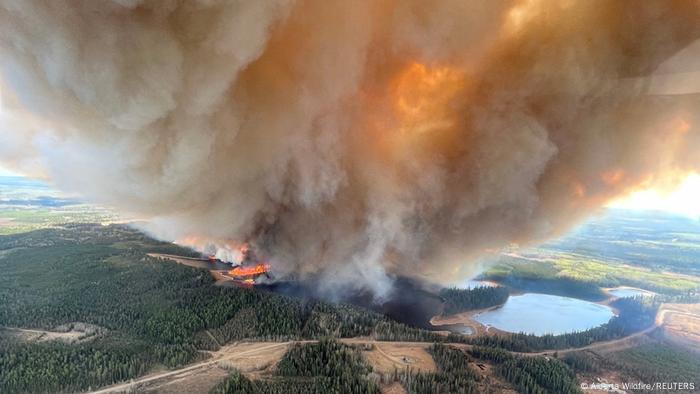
{"x":541,"y":314}
{"x":622,"y":292}
{"x":457,"y":328}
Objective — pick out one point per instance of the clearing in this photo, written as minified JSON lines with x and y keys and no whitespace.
{"x":251,"y":358}
{"x":68,"y":333}
{"x":681,"y":324}
{"x":386,"y":357}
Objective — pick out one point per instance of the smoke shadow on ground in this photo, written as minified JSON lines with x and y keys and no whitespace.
{"x":408,"y":302}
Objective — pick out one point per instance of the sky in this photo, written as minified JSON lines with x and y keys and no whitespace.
{"x":685,"y":200}
{"x":5,"y":172}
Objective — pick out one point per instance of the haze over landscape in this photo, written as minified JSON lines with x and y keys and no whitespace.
{"x":369,"y":196}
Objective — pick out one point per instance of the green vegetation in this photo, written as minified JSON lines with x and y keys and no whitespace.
{"x":389,"y":330}
{"x":635,"y":315}
{"x":582,"y":362}
{"x":651,"y":362}
{"x":27,"y":205}
{"x":155,"y":313}
{"x":460,"y":300}
{"x":579,"y":276}
{"x":653,"y":251}
{"x":657,"y":362}
{"x":22,"y":220}
{"x":530,"y":374}
{"x":454,"y":374}
{"x":323,"y":367}
{"x":656,"y":241}
{"x":236,"y":383}
{"x":538,"y":278}
{"x":50,"y":367}
{"x":324,"y":358}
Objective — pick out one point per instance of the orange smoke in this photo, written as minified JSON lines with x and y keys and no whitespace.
{"x":683,"y":126}
{"x":613,"y":177}
{"x":416,"y":114}
{"x":423,"y":95}
{"x":579,"y":190}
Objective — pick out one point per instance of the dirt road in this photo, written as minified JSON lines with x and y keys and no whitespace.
{"x":218,"y":356}
{"x":616,"y":344}
{"x":240,"y":350}
{"x":69,"y":335}
{"x":230,"y":352}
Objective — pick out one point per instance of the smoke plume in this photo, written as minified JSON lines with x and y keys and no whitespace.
{"x":352,"y":139}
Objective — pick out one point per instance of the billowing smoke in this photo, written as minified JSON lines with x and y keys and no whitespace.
{"x":352,"y":139}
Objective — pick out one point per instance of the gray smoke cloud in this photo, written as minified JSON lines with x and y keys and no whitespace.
{"x":351,"y":139}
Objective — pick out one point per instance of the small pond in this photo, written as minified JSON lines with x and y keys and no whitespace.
{"x":621,"y":292}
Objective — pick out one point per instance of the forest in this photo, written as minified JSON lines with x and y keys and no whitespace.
{"x":530,"y":374}
{"x":531,"y":281}
{"x":153,"y":313}
{"x":460,"y":300}
{"x":654,"y":361}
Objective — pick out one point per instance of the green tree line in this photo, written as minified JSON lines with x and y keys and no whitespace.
{"x":460,"y":300}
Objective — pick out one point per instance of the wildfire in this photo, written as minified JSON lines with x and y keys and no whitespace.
{"x":217,"y":249}
{"x":258,"y":269}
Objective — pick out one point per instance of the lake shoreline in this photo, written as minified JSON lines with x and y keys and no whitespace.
{"x":469,"y":318}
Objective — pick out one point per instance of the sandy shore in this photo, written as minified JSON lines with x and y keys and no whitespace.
{"x":467,"y":319}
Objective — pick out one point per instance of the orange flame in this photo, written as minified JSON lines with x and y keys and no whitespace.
{"x":258,"y":269}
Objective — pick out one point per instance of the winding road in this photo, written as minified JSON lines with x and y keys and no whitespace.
{"x":229,"y":352}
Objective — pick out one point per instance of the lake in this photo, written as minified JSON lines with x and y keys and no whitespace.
{"x":621,"y":292}
{"x":541,"y":314}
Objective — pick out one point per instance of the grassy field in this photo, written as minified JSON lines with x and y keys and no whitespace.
{"x":650,"y":250}
{"x":16,"y":221}
{"x":27,"y":205}
{"x":587,"y":270}
{"x":654,"y":240}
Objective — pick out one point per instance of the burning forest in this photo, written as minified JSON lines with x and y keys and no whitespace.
{"x":352,"y":140}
